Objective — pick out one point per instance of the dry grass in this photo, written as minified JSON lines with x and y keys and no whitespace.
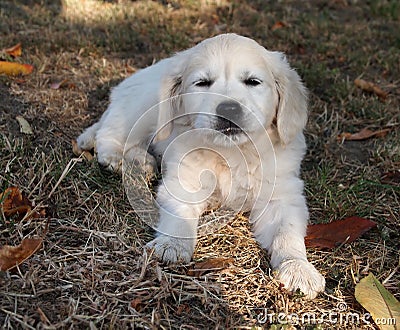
{"x":91,"y":271}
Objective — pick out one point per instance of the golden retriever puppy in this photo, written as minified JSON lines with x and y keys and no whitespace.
{"x":226,"y":119}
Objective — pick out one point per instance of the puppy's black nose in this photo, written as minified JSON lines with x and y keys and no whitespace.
{"x":229,"y":116}
{"x":230,"y":110}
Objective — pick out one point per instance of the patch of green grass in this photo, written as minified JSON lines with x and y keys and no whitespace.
{"x":345,"y":194}
{"x":385,"y":8}
{"x":367,"y":110}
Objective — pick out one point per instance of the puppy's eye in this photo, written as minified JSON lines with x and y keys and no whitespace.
{"x":252,"y":82}
{"x":203,"y":83}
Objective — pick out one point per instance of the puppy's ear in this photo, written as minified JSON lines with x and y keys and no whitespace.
{"x":291,"y":112}
{"x":171,"y":88}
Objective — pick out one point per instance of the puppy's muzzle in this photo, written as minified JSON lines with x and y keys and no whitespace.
{"x":229,"y":116}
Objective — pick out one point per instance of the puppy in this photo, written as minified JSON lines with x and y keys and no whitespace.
{"x":226,"y":119}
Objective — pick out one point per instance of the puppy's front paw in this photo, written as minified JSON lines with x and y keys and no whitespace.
{"x":134,"y":160}
{"x":300,"y":274}
{"x":171,"y":250}
{"x":110,"y":161}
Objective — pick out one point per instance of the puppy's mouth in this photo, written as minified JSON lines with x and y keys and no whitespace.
{"x":228,"y":128}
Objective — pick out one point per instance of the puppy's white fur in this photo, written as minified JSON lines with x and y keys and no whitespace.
{"x":254,"y":170}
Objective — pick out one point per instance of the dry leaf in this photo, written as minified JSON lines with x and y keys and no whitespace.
{"x":15,"y":69}
{"x":278,"y":25}
{"x":78,"y":151}
{"x":182,"y":309}
{"x":14,"y":51}
{"x":331,"y":235}
{"x":13,"y":202}
{"x":12,"y":256}
{"x":66,"y":83}
{"x":364,"y":134}
{"x":204,"y":267}
{"x":136,"y":304}
{"x":24,"y":126}
{"x":371,"y":88}
{"x":379,"y":302}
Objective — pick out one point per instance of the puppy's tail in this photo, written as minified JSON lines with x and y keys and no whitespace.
{"x":87,"y":140}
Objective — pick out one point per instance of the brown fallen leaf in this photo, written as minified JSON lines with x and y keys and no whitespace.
{"x":136,"y":304}
{"x":12,"y":256}
{"x":182,"y":309}
{"x":14,"y":51}
{"x":65,"y":83}
{"x":14,"y":202}
{"x":278,"y":25}
{"x":364,"y":134}
{"x":371,"y":88}
{"x":331,"y":235}
{"x":391,"y":177}
{"x":204,"y":267}
{"x":15,"y":69}
{"x":78,"y":151}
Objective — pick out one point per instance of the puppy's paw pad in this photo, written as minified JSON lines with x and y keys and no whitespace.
{"x":171,"y":249}
{"x":300,"y":274}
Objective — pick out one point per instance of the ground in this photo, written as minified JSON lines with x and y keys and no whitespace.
{"x":91,"y":271}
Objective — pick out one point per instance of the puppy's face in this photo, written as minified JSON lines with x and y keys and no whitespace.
{"x":229,"y":89}
{"x":232,"y":87}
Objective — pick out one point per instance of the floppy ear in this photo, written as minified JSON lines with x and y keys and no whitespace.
{"x":291,"y":112}
{"x":171,"y":88}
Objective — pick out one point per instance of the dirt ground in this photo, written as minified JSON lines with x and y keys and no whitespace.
{"x":91,"y":271}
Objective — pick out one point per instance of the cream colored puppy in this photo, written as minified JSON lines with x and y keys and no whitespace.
{"x":226,"y":118}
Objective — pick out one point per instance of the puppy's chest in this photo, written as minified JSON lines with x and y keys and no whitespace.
{"x":239,"y":181}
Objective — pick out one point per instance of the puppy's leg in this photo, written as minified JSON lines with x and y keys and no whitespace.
{"x":87,"y":140}
{"x":176,"y":236}
{"x":137,"y":156}
{"x":117,"y":138}
{"x":281,"y":228}
{"x":107,"y":140}
{"x":109,"y":150}
{"x":109,"y":146}
{"x":181,"y":205}
{"x":113,"y":148}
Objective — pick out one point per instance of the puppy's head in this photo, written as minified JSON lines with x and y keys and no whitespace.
{"x":231,"y":85}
